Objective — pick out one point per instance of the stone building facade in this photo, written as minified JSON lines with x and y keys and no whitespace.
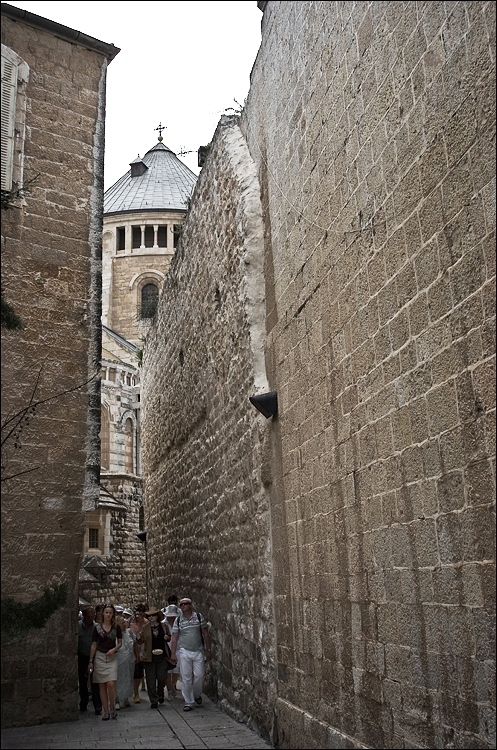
{"x":339,"y":251}
{"x":143,"y":214}
{"x":53,"y":108}
{"x":113,"y":565}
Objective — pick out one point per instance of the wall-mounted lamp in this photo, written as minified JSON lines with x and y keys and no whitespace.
{"x":142,"y":536}
{"x":266,"y":403}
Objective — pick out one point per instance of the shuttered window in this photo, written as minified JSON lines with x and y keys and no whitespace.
{"x":9,"y":95}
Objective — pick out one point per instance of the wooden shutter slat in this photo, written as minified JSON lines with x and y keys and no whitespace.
{"x":8,"y":113}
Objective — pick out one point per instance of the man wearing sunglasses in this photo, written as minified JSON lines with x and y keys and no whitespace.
{"x":190,"y":645}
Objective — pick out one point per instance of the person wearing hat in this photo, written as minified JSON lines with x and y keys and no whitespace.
{"x":189,"y":639}
{"x":156,"y":655}
{"x":171,"y":612}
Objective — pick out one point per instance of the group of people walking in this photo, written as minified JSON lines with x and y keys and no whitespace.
{"x":117,"y":648}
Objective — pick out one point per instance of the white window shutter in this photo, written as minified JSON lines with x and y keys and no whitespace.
{"x":9,"y":96}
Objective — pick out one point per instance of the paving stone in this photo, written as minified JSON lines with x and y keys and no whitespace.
{"x":168,"y":728}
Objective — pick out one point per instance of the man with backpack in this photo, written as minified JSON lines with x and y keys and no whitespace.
{"x":190,"y":644}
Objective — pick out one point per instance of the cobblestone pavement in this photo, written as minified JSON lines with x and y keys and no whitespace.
{"x":139,"y":726}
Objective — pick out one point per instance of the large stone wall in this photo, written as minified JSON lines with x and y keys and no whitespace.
{"x":352,"y":537}
{"x":51,"y":246}
{"x":206,"y":513}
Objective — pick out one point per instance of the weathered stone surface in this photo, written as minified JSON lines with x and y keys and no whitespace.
{"x":359,"y":521}
{"x":51,"y":241}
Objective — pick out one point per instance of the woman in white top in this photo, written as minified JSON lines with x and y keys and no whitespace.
{"x":125,"y":663}
{"x":171,"y":612}
{"x":136,"y":626}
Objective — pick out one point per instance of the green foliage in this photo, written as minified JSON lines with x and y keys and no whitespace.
{"x":139,"y":352}
{"x":17,"y":618}
{"x":10,"y":196}
{"x":10,"y":320}
{"x":235,"y":111}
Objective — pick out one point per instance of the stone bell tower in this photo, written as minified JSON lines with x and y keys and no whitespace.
{"x":143,"y":214}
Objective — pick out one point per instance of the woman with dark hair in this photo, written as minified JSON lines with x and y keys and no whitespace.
{"x":125,"y":663}
{"x":135,"y":626}
{"x":107,"y":640}
{"x":170,"y":614}
{"x":154,"y":637}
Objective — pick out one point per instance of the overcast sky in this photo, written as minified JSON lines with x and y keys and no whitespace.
{"x":181,"y":64}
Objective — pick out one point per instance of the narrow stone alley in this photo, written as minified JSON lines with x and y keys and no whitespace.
{"x":137,"y":727}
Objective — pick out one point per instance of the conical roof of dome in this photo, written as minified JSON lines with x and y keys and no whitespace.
{"x":162,"y":182}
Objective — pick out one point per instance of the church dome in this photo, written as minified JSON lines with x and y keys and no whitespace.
{"x":157,"y":182}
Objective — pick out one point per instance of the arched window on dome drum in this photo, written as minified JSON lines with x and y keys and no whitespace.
{"x":128,"y":447}
{"x":105,"y":438}
{"x":149,"y":299}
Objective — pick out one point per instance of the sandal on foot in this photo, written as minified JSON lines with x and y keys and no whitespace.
{"x":198,"y":700}
{"x":187,"y":708}
{"x":106,"y":716}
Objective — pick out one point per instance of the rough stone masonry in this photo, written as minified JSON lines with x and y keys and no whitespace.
{"x":339,"y":250}
{"x":51,"y":274}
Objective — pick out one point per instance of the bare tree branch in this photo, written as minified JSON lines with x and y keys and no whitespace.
{"x":19,"y":473}
{"x":21,"y":414}
{"x":17,"y":421}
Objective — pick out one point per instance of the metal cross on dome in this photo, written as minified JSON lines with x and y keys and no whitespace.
{"x":160,"y":129}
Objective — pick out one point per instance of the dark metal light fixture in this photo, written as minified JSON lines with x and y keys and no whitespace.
{"x":142,"y":536}
{"x":266,"y":403}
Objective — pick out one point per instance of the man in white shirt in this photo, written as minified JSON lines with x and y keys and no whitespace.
{"x":190,"y":642}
